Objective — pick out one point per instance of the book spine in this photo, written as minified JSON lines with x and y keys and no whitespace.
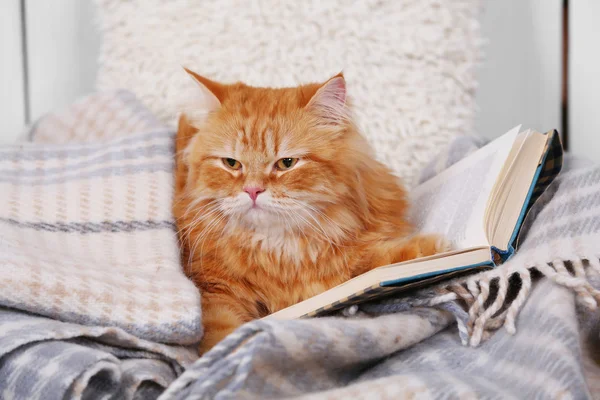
{"x":499,"y":257}
{"x":549,"y":168}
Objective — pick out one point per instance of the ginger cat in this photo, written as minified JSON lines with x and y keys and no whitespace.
{"x":278,"y":198}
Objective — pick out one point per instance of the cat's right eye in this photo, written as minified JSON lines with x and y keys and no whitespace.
{"x":232,"y":163}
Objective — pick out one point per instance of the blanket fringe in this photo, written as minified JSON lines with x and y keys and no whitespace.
{"x":493,"y":299}
{"x":490,"y":304}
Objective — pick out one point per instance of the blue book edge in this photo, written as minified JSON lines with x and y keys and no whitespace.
{"x":415,"y":278}
{"x":508,"y":253}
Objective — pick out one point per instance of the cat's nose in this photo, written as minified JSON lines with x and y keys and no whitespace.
{"x":253,"y":191}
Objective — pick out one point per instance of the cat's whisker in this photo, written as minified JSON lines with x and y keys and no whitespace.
{"x":329,"y":240}
{"x":198,"y":211}
{"x":321,"y":228}
{"x":288,"y":224}
{"x":327,"y":219}
{"x":332,"y":243}
{"x":213,"y":221}
{"x":195,"y":221}
{"x":336,"y":244}
{"x":203,"y":235}
{"x":196,"y":242}
{"x":197,"y":200}
{"x":279,"y":219}
{"x":317,"y":211}
{"x":237,"y":218}
{"x":300,"y":228}
{"x":283,"y":213}
{"x":331,"y":222}
{"x":206,"y":212}
{"x":314,"y":228}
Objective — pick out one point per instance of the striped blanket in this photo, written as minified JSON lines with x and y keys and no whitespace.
{"x":93,"y":303}
{"x":92,"y":296}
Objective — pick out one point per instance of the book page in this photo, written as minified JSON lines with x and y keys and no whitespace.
{"x":454,"y":202}
{"x":511,"y":200}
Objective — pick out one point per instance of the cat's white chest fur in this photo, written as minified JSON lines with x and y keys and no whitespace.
{"x":285,"y":244}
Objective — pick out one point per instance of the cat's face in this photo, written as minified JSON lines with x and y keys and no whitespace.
{"x":270,"y":157}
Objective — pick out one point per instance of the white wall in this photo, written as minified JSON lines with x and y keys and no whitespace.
{"x":12,"y":100}
{"x":584,"y":78}
{"x":520,"y":76}
{"x":63,"y":44}
{"x":62,"y":48}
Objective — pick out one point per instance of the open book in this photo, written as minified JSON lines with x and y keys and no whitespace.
{"x":479,"y":204}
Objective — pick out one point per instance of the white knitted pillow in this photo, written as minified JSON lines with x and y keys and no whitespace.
{"x":409,"y":64}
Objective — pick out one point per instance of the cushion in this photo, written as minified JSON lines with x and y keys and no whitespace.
{"x":410,"y":65}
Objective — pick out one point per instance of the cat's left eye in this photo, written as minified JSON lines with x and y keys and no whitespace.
{"x":285,"y":163}
{"x":232,"y":163}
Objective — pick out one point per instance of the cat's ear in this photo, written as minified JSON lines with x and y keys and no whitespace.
{"x":212,"y":93}
{"x":329,"y":101}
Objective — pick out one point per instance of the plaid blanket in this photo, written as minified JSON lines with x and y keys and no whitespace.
{"x":93,"y":299}
{"x":93,"y":303}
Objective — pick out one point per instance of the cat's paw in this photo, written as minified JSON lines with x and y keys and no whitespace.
{"x":442,"y":245}
{"x":419,"y":246}
{"x":429,"y":245}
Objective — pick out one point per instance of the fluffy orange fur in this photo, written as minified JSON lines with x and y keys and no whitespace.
{"x":258,"y":236}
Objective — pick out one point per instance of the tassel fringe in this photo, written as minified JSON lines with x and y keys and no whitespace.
{"x":493,"y":299}
{"x":486,"y":294}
